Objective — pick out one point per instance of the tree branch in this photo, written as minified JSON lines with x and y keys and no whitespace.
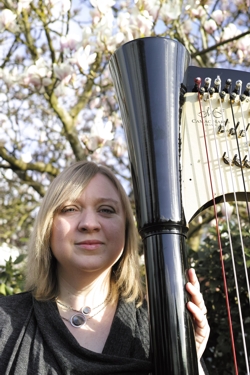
{"x":69,"y":128}
{"x":20,"y":165}
{"x":9,"y":54}
{"x":42,"y":17}
{"x":29,"y":39}
{"x":215,"y":46}
{"x":83,"y":99}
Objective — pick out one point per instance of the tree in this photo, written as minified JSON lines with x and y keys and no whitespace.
{"x":57,"y":98}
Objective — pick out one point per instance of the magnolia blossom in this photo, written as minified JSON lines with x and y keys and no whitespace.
{"x":100,"y":132}
{"x":152,"y":6}
{"x":230,"y":32}
{"x":58,"y":6}
{"x":219,"y":16}
{"x":144,"y":23}
{"x":23,"y":4}
{"x":9,"y":78}
{"x":61,"y":90}
{"x":119,"y":147}
{"x":243,"y":44}
{"x":187,"y":27}
{"x":63,"y":72}
{"x":198,"y":12}
{"x":7,"y":20}
{"x":104,"y":29}
{"x":68,"y":42}
{"x":95,"y":15}
{"x":83,"y":58}
{"x":104,"y":33}
{"x":135,"y":24}
{"x":37,"y":75}
{"x":26,"y":157}
{"x":210,"y":26}
{"x":102,"y":5}
{"x":170,"y":10}
{"x":240,"y":56}
{"x":114,"y":41}
{"x":243,"y":48}
{"x":86,"y":34}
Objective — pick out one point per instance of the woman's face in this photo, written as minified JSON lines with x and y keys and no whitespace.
{"x":88,"y":235}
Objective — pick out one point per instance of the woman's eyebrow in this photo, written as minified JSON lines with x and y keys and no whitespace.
{"x":108,"y":199}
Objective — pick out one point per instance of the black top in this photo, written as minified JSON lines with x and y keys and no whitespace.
{"x":34,"y":340}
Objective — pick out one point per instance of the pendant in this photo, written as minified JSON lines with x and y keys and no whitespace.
{"x":86,"y":310}
{"x":78,"y":320}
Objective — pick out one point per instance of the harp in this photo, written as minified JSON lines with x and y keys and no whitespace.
{"x":168,"y":112}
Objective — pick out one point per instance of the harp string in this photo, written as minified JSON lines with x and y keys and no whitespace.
{"x":229,"y":230}
{"x":228,"y":226}
{"x":219,"y":243}
{"x":245,"y":134}
{"x":239,"y":153}
{"x":237,"y":214}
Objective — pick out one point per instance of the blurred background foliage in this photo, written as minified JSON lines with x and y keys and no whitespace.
{"x":207,"y":263}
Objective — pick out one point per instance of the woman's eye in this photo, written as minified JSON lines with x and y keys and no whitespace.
{"x":69,"y":209}
{"x":107,"y":210}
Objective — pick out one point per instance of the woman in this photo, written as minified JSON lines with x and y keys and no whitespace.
{"x":85,"y":310}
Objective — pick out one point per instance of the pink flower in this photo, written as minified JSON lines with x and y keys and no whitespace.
{"x":210,"y":26}
{"x":37,"y":75}
{"x":83,"y":58}
{"x":198,"y":12}
{"x":69,"y":42}
{"x":23,"y":4}
{"x":218,"y":16}
{"x":63,"y":72}
{"x":7,"y":20}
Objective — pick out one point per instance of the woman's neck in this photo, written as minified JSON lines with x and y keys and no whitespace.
{"x":78,"y":295}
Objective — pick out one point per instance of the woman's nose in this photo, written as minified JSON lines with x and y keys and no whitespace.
{"x":88,"y":221}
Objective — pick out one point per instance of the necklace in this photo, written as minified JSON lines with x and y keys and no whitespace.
{"x":80,"y":319}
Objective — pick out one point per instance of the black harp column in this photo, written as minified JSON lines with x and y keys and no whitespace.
{"x":147,"y":75}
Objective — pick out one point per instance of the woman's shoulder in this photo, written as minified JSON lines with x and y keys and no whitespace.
{"x":16,"y":302}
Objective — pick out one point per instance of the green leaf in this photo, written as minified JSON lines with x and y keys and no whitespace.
{"x":20,"y":259}
{"x":3,"y":289}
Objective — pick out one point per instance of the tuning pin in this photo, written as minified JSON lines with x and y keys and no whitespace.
{"x":242,"y":133}
{"x":232,"y":131}
{"x":247,"y":89}
{"x":246,"y":163}
{"x":233,"y":96}
{"x":242,"y":97}
{"x":197,"y":83}
{"x":222,"y":95}
{"x":236,"y":161}
{"x":238,"y":85}
{"x":202,"y":91}
{"x":217,"y":84}
{"x":247,"y":126}
{"x":207,"y":83}
{"x":226,"y":159}
{"x":227,"y":85}
{"x":221,"y":129}
{"x":211,"y":91}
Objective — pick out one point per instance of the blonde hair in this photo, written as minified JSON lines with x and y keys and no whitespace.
{"x":41,"y":275}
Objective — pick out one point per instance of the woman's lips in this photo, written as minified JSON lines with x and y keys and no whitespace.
{"x":89,"y":244}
